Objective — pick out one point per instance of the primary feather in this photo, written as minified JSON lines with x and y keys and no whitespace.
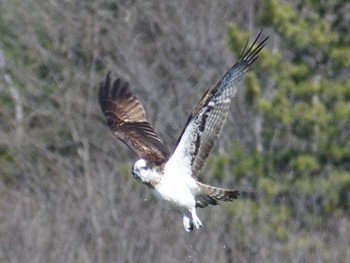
{"x":127,"y":119}
{"x":209,"y":115}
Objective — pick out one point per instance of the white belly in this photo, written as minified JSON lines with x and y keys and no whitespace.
{"x":177,"y":193}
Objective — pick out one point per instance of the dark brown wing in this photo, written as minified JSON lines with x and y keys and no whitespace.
{"x":127,"y":119}
{"x":208,"y":117}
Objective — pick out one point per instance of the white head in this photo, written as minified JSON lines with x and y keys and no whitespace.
{"x":141,"y":171}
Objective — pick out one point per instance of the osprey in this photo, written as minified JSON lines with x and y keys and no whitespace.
{"x":173,"y":176}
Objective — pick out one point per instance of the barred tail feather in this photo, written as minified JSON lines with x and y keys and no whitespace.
{"x":210,"y":195}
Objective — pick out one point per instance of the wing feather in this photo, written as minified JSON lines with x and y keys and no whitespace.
{"x":210,"y":195}
{"x":127,"y":119}
{"x":209,"y":115}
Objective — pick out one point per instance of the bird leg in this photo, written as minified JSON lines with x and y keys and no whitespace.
{"x":197,"y":222}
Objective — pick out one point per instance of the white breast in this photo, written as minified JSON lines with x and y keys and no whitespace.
{"x":176,"y":189}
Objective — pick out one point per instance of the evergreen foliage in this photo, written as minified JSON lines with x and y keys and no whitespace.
{"x":299,"y":95}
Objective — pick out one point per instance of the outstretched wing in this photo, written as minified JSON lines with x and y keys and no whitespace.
{"x":127,"y":119}
{"x":205,"y":123}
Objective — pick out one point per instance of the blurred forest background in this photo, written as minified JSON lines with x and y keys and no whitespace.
{"x":66,"y":192}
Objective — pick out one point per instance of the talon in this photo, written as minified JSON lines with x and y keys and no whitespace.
{"x":189,"y":228}
{"x":197,"y":222}
{"x":187,"y":224}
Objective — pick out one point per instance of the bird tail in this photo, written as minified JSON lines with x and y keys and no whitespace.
{"x":210,"y":195}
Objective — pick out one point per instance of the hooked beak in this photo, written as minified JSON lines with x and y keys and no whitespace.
{"x":135,"y":175}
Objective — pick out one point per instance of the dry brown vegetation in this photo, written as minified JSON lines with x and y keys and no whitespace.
{"x":66,"y":193}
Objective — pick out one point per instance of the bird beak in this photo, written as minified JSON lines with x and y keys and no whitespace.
{"x":136,"y":176}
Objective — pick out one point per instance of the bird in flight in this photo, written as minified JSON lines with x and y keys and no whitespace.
{"x":173,"y":177}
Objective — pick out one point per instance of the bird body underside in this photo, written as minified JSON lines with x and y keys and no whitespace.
{"x":184,"y":194}
{"x":179,"y":194}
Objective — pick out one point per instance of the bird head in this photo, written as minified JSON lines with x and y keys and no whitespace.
{"x":141,"y":171}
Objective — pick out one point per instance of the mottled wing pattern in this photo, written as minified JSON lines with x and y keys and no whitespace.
{"x":127,"y":119}
{"x":210,"y":195}
{"x":206,"y":121}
